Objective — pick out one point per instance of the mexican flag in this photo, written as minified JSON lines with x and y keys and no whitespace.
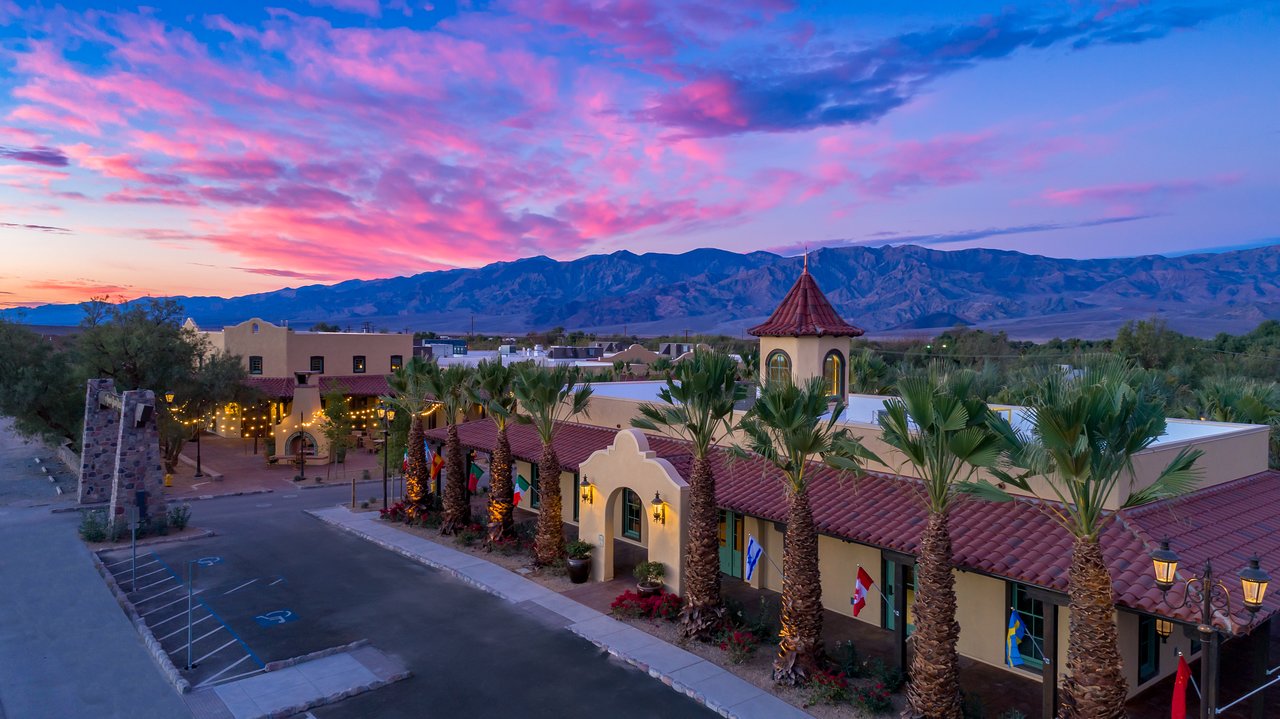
{"x":521,"y":487}
{"x":473,"y":479}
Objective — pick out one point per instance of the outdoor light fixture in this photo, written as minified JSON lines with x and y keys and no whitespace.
{"x":659,"y":509}
{"x":382,"y":412}
{"x":1164,"y":628}
{"x":168,"y":396}
{"x":1254,"y":579}
{"x":585,"y":484}
{"x":391,"y":415}
{"x":1166,"y":564}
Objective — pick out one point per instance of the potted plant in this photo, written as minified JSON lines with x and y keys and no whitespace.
{"x":579,"y":560}
{"x":649,"y":578}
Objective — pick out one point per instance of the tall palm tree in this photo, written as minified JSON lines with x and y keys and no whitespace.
{"x":698,"y":408}
{"x":1232,"y":398}
{"x":492,"y":390}
{"x":548,"y":396}
{"x":452,"y":387}
{"x":946,"y":434}
{"x":410,"y":391}
{"x":1084,"y":434}
{"x":786,"y":428}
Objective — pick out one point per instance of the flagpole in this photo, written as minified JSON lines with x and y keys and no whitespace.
{"x":876,"y":584}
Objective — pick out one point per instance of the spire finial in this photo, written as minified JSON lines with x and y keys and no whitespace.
{"x":806,"y":260}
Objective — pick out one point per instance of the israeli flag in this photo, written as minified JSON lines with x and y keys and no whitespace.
{"x":754,"y":552}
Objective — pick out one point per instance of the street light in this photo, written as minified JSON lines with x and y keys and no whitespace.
{"x":387,"y":416}
{"x":1213,"y":596}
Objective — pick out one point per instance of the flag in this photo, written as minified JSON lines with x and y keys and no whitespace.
{"x":1016,"y":632}
{"x":473,"y":480}
{"x":436,"y":464}
{"x":404,"y":467}
{"x":860,"y":588}
{"x":519,"y":487}
{"x":1179,"y":709}
{"x":754,"y":552}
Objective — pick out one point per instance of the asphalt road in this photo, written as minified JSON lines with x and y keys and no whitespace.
{"x":471,"y":654}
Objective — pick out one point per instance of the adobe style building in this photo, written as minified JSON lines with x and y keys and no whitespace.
{"x":625,"y":491}
{"x":294,"y":370}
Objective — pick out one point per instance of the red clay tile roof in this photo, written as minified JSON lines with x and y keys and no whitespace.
{"x":354,"y":385}
{"x":805,"y":312}
{"x":1225,"y":523}
{"x":273,"y":387}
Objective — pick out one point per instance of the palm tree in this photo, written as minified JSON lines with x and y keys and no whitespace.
{"x":1084,"y":434}
{"x":548,"y":396}
{"x":1239,"y":399}
{"x":452,"y":387}
{"x":410,"y":392}
{"x":947,"y":435}
{"x":785,"y":426}
{"x":699,"y":409}
{"x":492,"y":390}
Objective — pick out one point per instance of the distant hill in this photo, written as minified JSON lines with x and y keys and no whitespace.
{"x":886,"y":290}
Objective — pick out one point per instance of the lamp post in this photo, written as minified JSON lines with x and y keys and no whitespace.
{"x":383,"y":413}
{"x":1212,"y":595}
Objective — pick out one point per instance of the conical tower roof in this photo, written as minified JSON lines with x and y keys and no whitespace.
{"x":805,"y":312}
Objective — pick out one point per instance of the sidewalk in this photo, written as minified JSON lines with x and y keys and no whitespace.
{"x":66,"y":648}
{"x":703,"y":681}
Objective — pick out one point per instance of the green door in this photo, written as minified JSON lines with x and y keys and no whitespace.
{"x":731,"y":544}
{"x":888,"y":568}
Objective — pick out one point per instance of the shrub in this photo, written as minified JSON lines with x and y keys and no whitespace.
{"x":470,"y":535}
{"x":93,"y":526}
{"x":364,"y":504}
{"x":578,"y":549}
{"x":156,"y":525}
{"x":180,"y":516}
{"x":828,"y":687}
{"x":631,"y":605}
{"x":665,"y":606}
{"x":649,"y":572}
{"x":847,"y":659}
{"x":891,"y":677}
{"x":873,"y":699}
{"x":739,"y":644}
{"x":394,"y":513}
{"x":628,"y":604}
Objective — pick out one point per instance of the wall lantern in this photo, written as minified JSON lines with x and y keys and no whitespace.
{"x":1164,"y":628}
{"x":1254,"y":579}
{"x":659,"y":509}
{"x":391,"y":415}
{"x":586,"y":487}
{"x":168,"y":396}
{"x":1166,"y":564}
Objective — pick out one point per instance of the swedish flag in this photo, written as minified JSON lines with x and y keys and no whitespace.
{"x":1013,"y":635}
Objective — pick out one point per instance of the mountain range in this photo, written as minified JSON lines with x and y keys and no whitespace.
{"x":890,"y":290}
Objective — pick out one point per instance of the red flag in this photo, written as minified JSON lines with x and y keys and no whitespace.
{"x":1180,"y":690}
{"x":860,"y":588}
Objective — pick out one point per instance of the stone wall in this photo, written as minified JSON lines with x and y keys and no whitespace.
{"x":138,"y":471}
{"x":98,"y":449}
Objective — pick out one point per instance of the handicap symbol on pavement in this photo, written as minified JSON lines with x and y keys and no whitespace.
{"x":209,"y":561}
{"x":279,"y":616}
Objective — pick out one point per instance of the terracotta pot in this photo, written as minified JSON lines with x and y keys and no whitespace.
{"x":579,"y":570}
{"x":649,"y":590}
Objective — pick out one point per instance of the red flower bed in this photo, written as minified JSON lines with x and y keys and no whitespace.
{"x":661,"y":606}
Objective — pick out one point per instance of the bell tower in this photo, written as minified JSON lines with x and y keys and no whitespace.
{"x":806,"y":338}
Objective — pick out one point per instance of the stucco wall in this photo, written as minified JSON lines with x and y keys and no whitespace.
{"x":838,"y":563}
{"x":284,"y":352}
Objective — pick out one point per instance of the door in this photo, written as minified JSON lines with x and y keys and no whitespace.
{"x":888,"y":570}
{"x":731,"y":544}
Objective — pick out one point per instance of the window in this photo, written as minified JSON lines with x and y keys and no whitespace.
{"x":833,"y":373}
{"x":255,"y":328}
{"x":1148,"y":648}
{"x":397,"y":361}
{"x":317,"y":363}
{"x":632,"y":515}
{"x":1031,"y":646}
{"x":535,"y":497}
{"x":887,"y":569}
{"x":357,"y":364}
{"x":255,"y":364}
{"x":779,"y":367}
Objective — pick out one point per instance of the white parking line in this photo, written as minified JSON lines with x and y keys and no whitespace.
{"x":193,"y":641}
{"x":281,"y":579}
{"x":170,"y":604}
{"x":156,"y":584}
{"x":143,"y":576}
{"x":157,"y":596}
{"x":126,"y":561}
{"x":237,"y":676}
{"x":242,"y":586}
{"x":182,"y":613}
{"x":183,"y":628}
{"x":226,"y":669}
{"x":215,"y":651}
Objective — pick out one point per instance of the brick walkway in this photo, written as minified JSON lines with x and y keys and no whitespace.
{"x":232,"y":467}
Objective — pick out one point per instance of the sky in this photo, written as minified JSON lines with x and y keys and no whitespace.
{"x":229,"y":148}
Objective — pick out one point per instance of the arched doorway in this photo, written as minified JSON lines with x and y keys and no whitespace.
{"x":626,"y":534}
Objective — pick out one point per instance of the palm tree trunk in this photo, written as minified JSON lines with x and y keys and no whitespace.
{"x":934,"y":689}
{"x":457,"y":508}
{"x":800,"y":651}
{"x":501,"y":491}
{"x":415,"y":480}
{"x":1095,"y":686}
{"x":703,"y":611}
{"x":549,"y":546}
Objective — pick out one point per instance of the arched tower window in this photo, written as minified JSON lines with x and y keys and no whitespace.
{"x":778,"y":368}
{"x":833,"y":373}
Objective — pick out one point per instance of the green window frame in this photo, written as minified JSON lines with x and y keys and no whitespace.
{"x":535,"y":498}
{"x":1148,"y":648}
{"x":833,"y":373}
{"x":632,"y":515}
{"x":255,"y":364}
{"x":1032,"y":612}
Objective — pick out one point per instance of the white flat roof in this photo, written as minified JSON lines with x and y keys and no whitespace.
{"x":644,"y":391}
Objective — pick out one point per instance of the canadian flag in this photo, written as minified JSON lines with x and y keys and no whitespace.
{"x":860,"y":589}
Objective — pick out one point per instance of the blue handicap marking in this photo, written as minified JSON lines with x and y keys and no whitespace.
{"x":279,"y":616}
{"x":209,"y":561}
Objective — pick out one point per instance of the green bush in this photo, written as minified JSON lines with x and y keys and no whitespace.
{"x":93,"y":526}
{"x":828,"y":687}
{"x":892,"y":678}
{"x":578,"y":549}
{"x":156,"y":525}
{"x":873,"y":699}
{"x":848,"y":661}
{"x":180,"y":516}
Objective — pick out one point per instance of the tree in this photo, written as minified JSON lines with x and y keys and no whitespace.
{"x":1243,"y":400}
{"x":785,"y":428}
{"x":869,"y":373}
{"x":492,"y":390}
{"x":39,"y":386}
{"x":217,"y":380}
{"x":698,"y":408}
{"x":325,"y":327}
{"x":548,"y":396}
{"x":410,"y":392}
{"x":661,"y":366}
{"x":452,"y":389}
{"x":947,"y":434}
{"x":1084,"y":433}
{"x":338,"y":425}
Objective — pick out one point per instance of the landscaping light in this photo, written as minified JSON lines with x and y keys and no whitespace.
{"x":659,"y":509}
{"x":1166,"y":564}
{"x":1164,"y":628}
{"x":1254,"y":579}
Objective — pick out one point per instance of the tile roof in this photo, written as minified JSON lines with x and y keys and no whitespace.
{"x":353,"y":385}
{"x":1225,"y":523}
{"x":805,"y":312}
{"x":273,"y":387}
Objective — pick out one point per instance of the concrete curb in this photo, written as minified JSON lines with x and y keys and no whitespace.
{"x":199,"y":497}
{"x":165,"y":539}
{"x":340,"y":483}
{"x":338,"y":696}
{"x":158,"y":654}
{"x":213,"y":474}
{"x":318,"y":654}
